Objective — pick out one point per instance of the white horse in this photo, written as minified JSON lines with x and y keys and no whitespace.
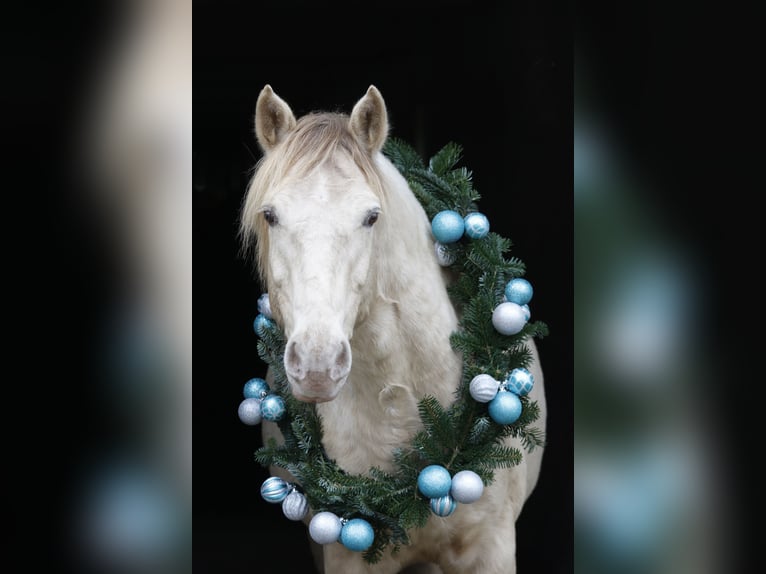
{"x":345,"y":252}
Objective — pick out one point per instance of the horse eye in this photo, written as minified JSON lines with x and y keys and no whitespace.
{"x":270,"y":217}
{"x":371,"y":218}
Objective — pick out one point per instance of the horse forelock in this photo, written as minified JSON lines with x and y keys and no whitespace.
{"x":316,"y":141}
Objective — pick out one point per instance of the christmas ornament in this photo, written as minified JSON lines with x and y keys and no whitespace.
{"x":476,"y":225}
{"x":434,"y":481}
{"x":443,"y":506}
{"x":527,"y":314}
{"x":508,"y":318}
{"x":505,"y":408}
{"x":261,"y":323}
{"x":264,"y":305}
{"x":249,"y":411}
{"x":295,"y":506}
{"x":443,"y":255}
{"x":447,"y":226}
{"x":483,"y":388}
{"x":272,"y":408}
{"x":520,"y":381}
{"x":357,"y":535}
{"x":518,"y":291}
{"x":325,"y":528}
{"x":255,"y":388}
{"x":274,"y":489}
{"x":467,"y":487}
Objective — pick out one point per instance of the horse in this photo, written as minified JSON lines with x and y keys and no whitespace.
{"x":345,"y":252}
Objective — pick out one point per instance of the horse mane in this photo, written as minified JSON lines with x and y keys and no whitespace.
{"x":316,"y":140}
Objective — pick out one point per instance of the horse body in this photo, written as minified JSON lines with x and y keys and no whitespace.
{"x":367,"y":317}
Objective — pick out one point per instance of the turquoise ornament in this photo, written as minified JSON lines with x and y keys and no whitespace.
{"x":518,"y":291}
{"x":467,"y":487}
{"x":434,"y":481}
{"x":272,"y":408}
{"x":325,"y":528}
{"x":274,"y":489}
{"x":527,"y":312}
{"x":261,"y":323}
{"x":256,"y":388}
{"x":249,"y":411}
{"x":520,"y":381}
{"x":443,"y":506}
{"x":476,"y":225}
{"x":447,"y":226}
{"x":505,"y":408}
{"x":357,"y":535}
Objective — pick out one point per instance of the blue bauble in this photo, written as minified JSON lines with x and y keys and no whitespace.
{"x":249,"y":411}
{"x":272,"y":408}
{"x":527,"y":312}
{"x":443,"y":506}
{"x":476,"y":225}
{"x":520,"y":381}
{"x":447,"y":226}
{"x":434,"y":481}
{"x":255,"y":388}
{"x":325,"y":528}
{"x":261,"y":323}
{"x":357,"y":535}
{"x":274,"y":489}
{"x":505,"y":408}
{"x":264,"y":306}
{"x":518,"y":291}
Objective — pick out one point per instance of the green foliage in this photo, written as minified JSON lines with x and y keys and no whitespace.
{"x":460,"y":436}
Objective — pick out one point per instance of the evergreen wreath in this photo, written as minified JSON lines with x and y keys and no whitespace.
{"x":465,"y":436}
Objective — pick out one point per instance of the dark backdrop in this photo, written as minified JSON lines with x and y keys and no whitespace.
{"x":495,"y":77}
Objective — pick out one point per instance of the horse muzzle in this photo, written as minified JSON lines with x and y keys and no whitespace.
{"x":317,"y":370}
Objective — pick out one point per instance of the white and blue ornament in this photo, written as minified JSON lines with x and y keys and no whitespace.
{"x":295,"y":506}
{"x":261,"y":323}
{"x":443,"y":506}
{"x":520,"y":381}
{"x":249,"y":411}
{"x":505,"y":408}
{"x":272,"y":408}
{"x":508,"y":318}
{"x":255,"y":388}
{"x":443,"y":254}
{"x":274,"y":489}
{"x":357,"y":535}
{"x":519,"y":291}
{"x":325,"y":528}
{"x":527,"y":312}
{"x":434,"y":481}
{"x":264,"y":306}
{"x":467,"y":487}
{"x":483,"y":388}
{"x":447,"y":226}
{"x":476,"y":225}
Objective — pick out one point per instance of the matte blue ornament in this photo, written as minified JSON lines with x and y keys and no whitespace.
{"x":264,"y":306}
{"x":249,"y":411}
{"x":357,"y":535}
{"x":272,"y":408}
{"x":518,"y":291}
{"x":274,"y":489}
{"x":476,"y":225}
{"x":447,"y":226}
{"x":443,"y":506}
{"x":256,"y":388}
{"x":325,"y":528}
{"x":505,"y":408}
{"x":261,"y":323}
{"x":520,"y":381}
{"x":434,"y":481}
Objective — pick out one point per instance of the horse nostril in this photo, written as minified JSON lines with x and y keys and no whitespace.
{"x":293,"y":360}
{"x":342,"y":361}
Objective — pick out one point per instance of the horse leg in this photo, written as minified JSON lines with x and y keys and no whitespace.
{"x":340,"y":560}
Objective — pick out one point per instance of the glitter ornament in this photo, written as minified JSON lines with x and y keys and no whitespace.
{"x":357,"y":535}
{"x":295,"y":506}
{"x":520,"y":381}
{"x":447,"y":226}
{"x":443,"y":255}
{"x":261,"y":323}
{"x":274,"y":489}
{"x":255,"y":388}
{"x":467,"y":487}
{"x":508,"y":318}
{"x":434,"y":481}
{"x":518,"y":291}
{"x":476,"y":225}
{"x":527,"y":313}
{"x":505,"y":408}
{"x":443,"y":506}
{"x":483,"y":388}
{"x":272,"y":408}
{"x":249,"y":411}
{"x":325,"y":528}
{"x":264,"y":306}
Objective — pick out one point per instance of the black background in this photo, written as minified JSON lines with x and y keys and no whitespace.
{"x":494,"y":77}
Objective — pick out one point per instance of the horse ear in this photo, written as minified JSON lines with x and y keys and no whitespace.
{"x":369,"y":120}
{"x":273,"y":119}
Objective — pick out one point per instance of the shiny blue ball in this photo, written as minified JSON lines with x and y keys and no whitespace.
{"x":274,"y":489}
{"x":447,"y":226}
{"x":443,"y":506}
{"x":476,"y":225}
{"x":518,"y":291}
{"x":272,"y":408}
{"x":434,"y":481}
{"x":261,"y":323}
{"x":255,"y":388}
{"x":357,"y":535}
{"x":520,"y":381}
{"x":505,"y":408}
